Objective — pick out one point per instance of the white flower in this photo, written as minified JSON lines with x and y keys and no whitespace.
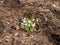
{"x":24,"y":20}
{"x":29,"y":21}
{"x":37,"y":19}
{"x":33,"y":25}
{"x":33,"y":19}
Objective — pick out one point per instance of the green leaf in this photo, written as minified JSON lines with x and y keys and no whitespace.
{"x":27,"y":15}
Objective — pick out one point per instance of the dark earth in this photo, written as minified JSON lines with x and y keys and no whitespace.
{"x":46,"y":31}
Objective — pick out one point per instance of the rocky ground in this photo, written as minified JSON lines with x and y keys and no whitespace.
{"x":46,"y":31}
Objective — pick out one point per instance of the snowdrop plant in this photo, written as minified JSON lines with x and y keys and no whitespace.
{"x":28,"y":24}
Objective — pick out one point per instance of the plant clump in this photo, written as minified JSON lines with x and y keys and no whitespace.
{"x":27,"y":24}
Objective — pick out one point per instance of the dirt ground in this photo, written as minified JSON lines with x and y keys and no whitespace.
{"x":46,"y":31}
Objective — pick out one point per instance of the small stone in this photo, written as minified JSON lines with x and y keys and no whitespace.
{"x":7,"y":22}
{"x":16,"y":34}
{"x":2,"y":1}
{"x":54,"y":5}
{"x":17,"y":27}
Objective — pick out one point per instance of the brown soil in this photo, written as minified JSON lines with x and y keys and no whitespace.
{"x":46,"y":31}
